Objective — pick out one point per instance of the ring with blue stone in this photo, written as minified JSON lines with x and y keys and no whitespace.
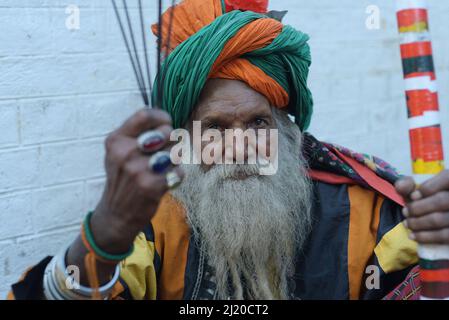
{"x":160,"y":162}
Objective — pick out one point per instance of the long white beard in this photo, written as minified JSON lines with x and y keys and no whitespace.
{"x":251,"y":229}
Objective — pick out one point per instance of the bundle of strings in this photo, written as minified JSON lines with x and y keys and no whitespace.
{"x":125,"y":23}
{"x":210,"y":39}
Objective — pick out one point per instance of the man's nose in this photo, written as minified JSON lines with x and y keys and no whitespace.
{"x":236,"y":147}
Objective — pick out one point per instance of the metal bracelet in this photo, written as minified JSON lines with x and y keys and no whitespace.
{"x":58,"y":284}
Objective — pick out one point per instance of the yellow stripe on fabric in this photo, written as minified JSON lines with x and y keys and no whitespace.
{"x":138,"y":270}
{"x":363,"y":224}
{"x":396,"y":251}
{"x":427,"y":167}
{"x":417,"y":27}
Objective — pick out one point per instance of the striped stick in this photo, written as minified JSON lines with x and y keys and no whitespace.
{"x":424,"y":129}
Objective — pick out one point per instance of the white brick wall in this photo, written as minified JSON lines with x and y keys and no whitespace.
{"x":61,"y":91}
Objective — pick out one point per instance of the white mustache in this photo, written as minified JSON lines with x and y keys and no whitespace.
{"x":234,"y":171}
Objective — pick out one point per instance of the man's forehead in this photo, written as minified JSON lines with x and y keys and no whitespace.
{"x":228,"y":96}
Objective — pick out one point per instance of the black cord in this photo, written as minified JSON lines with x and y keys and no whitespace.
{"x":167,"y":44}
{"x":142,"y":25}
{"x":119,"y":20}
{"x":131,"y":31}
{"x":159,"y":46}
{"x":134,"y":58}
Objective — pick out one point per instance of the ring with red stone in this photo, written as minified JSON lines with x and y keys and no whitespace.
{"x":150,"y":141}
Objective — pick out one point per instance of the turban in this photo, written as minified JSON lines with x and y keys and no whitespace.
{"x":209,"y":39}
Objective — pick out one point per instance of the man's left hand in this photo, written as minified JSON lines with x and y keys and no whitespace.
{"x":427,"y":208}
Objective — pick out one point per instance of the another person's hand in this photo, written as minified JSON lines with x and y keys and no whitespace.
{"x":427,"y":208}
{"x":133,"y":191}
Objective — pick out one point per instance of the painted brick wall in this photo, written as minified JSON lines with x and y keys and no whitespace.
{"x":62,"y":91}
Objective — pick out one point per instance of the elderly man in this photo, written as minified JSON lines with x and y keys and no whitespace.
{"x":329,"y":224}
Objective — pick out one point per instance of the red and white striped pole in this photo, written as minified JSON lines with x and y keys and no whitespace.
{"x":424,"y":129}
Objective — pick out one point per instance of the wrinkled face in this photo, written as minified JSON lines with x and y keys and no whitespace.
{"x":252,"y":225}
{"x":231,"y":104}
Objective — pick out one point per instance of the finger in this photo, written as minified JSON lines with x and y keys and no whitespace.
{"x":174,"y":178}
{"x":438,"y":183}
{"x":405,"y":186}
{"x":151,"y":185}
{"x":431,"y":237}
{"x":435,"y":203}
{"x":141,"y":162}
{"x":147,"y":182}
{"x":155,"y":186}
{"x":120,"y":149}
{"x":157,"y":163}
{"x":160,"y":162}
{"x":143,"y":120}
{"x":433,"y":221}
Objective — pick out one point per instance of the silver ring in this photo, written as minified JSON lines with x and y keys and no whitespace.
{"x":173,"y":179}
{"x":160,"y":162}
{"x":150,"y":141}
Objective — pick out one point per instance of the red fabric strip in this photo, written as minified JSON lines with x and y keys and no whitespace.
{"x":328,"y":177}
{"x":380,"y":185}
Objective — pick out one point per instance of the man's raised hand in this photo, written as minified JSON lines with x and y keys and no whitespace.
{"x":133,"y":190}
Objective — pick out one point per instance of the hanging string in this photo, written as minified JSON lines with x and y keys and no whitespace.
{"x":133,"y":63}
{"x":159,"y":47}
{"x":131,"y":47}
{"x":170,"y":27}
{"x":147,"y":64}
{"x":133,"y":41}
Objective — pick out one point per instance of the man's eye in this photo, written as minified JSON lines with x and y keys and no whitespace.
{"x":260,"y":122}
{"x":213,"y":126}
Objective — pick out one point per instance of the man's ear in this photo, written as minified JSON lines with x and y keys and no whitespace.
{"x":277,"y":15}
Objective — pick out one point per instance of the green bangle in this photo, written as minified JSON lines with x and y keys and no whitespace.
{"x":101,"y":253}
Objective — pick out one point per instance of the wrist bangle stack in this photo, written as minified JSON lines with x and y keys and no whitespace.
{"x":95,"y":254}
{"x":58,"y":284}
